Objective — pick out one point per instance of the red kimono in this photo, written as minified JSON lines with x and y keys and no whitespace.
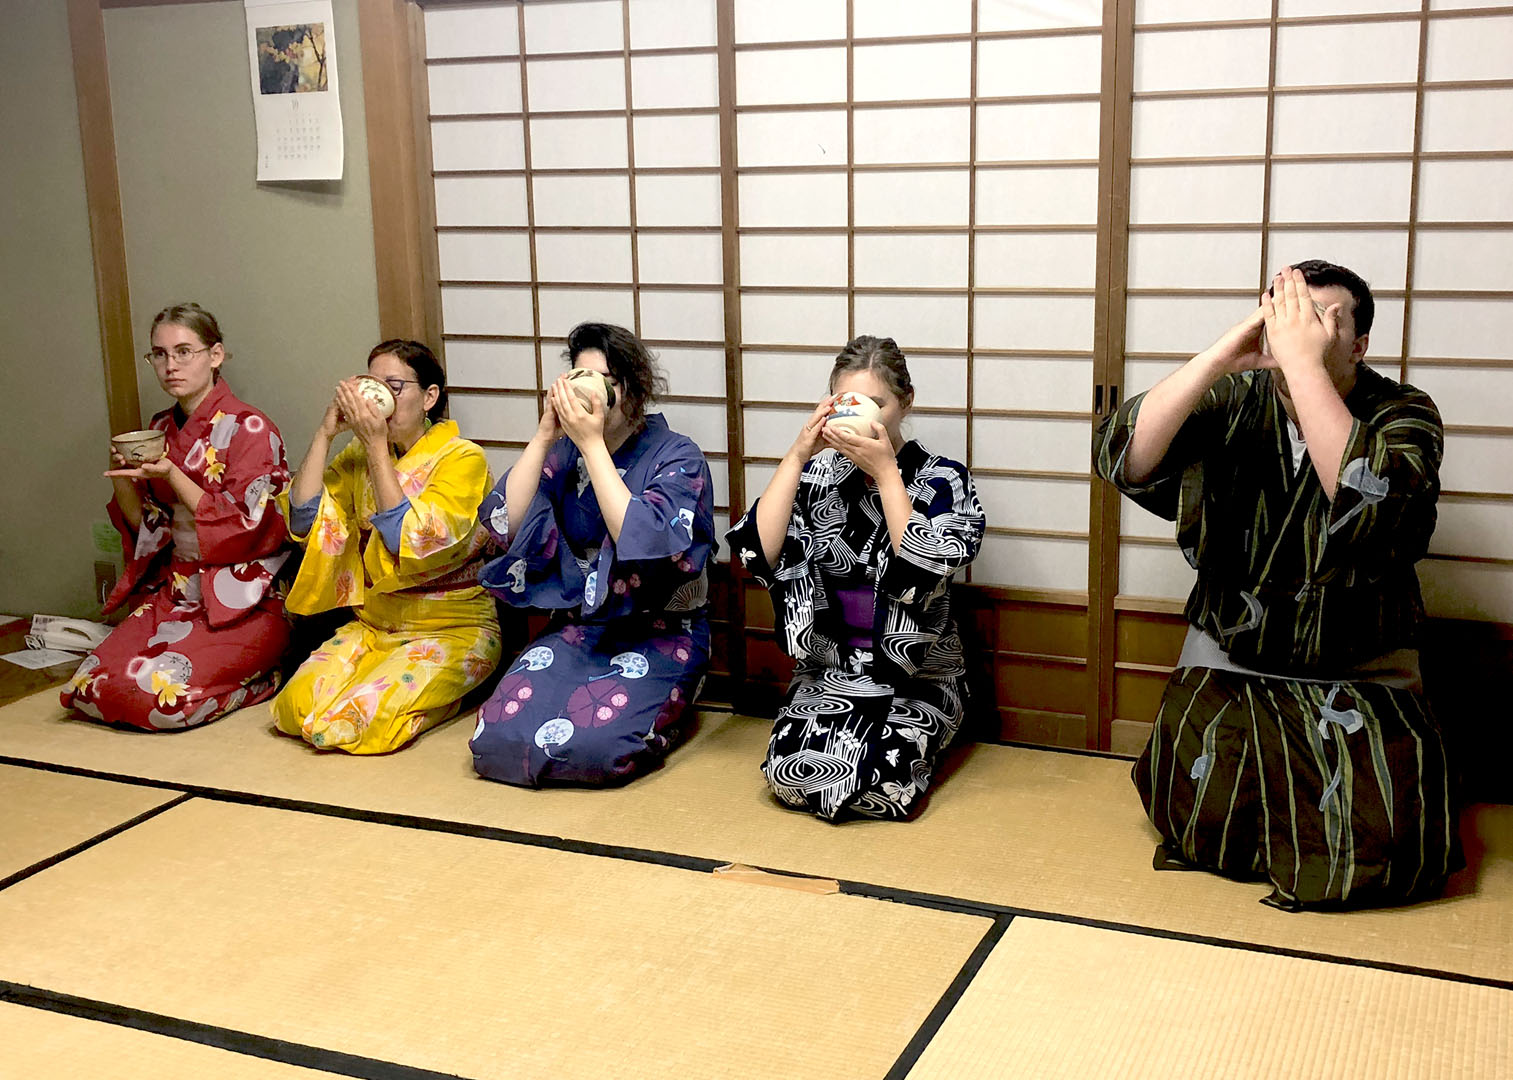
{"x":207,"y":629}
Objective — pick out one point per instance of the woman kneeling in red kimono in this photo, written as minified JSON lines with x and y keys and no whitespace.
{"x":203,"y":538}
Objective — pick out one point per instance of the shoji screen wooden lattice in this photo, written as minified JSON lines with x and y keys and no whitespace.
{"x":1373,"y":133}
{"x":929,"y":172}
{"x":577,"y":172}
{"x":1047,"y":204}
{"x":576,"y":162}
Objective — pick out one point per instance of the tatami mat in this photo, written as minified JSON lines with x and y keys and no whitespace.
{"x":1029,"y":829}
{"x":47,"y":813}
{"x":469,"y":956}
{"x":1057,"y":1000}
{"x":40,"y":1045}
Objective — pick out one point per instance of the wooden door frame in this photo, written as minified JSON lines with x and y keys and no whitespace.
{"x":1112,"y":281}
{"x":102,"y":195}
{"x":390,"y":36}
{"x":396,"y":108}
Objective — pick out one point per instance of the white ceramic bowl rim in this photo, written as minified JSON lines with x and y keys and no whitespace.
{"x":601,"y":380}
{"x":378,"y":392}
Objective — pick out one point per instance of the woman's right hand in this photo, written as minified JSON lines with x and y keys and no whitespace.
{"x":333,"y":423}
{"x":811,"y":438}
{"x":549,"y":429}
{"x":118,"y":465}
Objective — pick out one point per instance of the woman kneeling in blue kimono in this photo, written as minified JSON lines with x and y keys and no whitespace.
{"x":608,"y":519}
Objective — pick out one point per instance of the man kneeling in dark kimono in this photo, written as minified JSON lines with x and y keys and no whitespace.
{"x":1293,"y":739}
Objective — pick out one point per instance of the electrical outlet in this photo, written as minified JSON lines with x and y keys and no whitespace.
{"x":105,"y":580}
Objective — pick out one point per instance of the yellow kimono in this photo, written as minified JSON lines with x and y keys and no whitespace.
{"x":425,"y":633}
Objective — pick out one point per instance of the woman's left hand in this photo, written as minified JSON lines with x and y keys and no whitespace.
{"x":583,"y":425}
{"x":147,"y":470}
{"x":359,"y":413}
{"x":872,"y":454}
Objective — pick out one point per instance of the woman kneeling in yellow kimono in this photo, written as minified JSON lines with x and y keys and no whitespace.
{"x":392,"y":534}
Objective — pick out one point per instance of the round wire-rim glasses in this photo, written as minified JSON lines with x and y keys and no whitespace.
{"x":156,"y":358}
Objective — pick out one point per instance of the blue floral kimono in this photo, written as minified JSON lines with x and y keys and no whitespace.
{"x":597,"y":699}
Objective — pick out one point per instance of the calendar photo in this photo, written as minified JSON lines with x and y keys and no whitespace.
{"x":292,"y":59}
{"x":296,"y":96}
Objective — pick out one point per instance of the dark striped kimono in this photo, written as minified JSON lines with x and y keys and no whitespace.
{"x":1333,"y":786}
{"x":862,"y":726}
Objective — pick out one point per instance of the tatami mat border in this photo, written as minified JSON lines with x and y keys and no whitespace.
{"x":52,"y":860}
{"x":932,"y":1023}
{"x":344,"y":1064}
{"x":1075,"y":751}
{"x":960,"y":905}
{"x":239,"y":1042}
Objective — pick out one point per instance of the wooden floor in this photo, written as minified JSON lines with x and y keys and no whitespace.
{"x":17,"y":682}
{"x":226,"y":902}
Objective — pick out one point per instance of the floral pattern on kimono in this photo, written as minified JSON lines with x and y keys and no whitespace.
{"x":862,"y":728}
{"x":424,"y":632}
{"x":598,"y":699}
{"x":207,"y":629}
{"x":443,"y":475}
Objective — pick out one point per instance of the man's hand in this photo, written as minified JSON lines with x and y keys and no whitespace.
{"x":1298,"y":330}
{"x":1239,"y":349}
{"x":548,"y":430}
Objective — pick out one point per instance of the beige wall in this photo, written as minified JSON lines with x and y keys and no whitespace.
{"x":54,"y":436}
{"x":288,"y":269}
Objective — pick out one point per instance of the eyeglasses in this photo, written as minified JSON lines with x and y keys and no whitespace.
{"x":398,"y":385}
{"x":183,"y":354}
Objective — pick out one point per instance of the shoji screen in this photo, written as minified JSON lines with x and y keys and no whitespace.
{"x":1365,"y":132}
{"x":929,"y":172}
{"x":1373,"y":133}
{"x":575,"y":150}
{"x":1459,"y":319}
{"x":749,"y":183}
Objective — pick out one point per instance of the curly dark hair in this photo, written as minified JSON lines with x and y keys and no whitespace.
{"x":422,"y":361}
{"x":631,"y":364}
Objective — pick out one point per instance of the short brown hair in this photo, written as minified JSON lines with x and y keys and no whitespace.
{"x":419,"y":358}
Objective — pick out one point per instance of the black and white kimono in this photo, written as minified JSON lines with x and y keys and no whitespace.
{"x":861,"y":727}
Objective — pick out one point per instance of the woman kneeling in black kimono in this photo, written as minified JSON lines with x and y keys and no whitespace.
{"x":858,"y":537}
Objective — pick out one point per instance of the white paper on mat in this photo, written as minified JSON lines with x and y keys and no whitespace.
{"x":41,"y":658}
{"x":295,"y":100}
{"x":65,"y":634}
